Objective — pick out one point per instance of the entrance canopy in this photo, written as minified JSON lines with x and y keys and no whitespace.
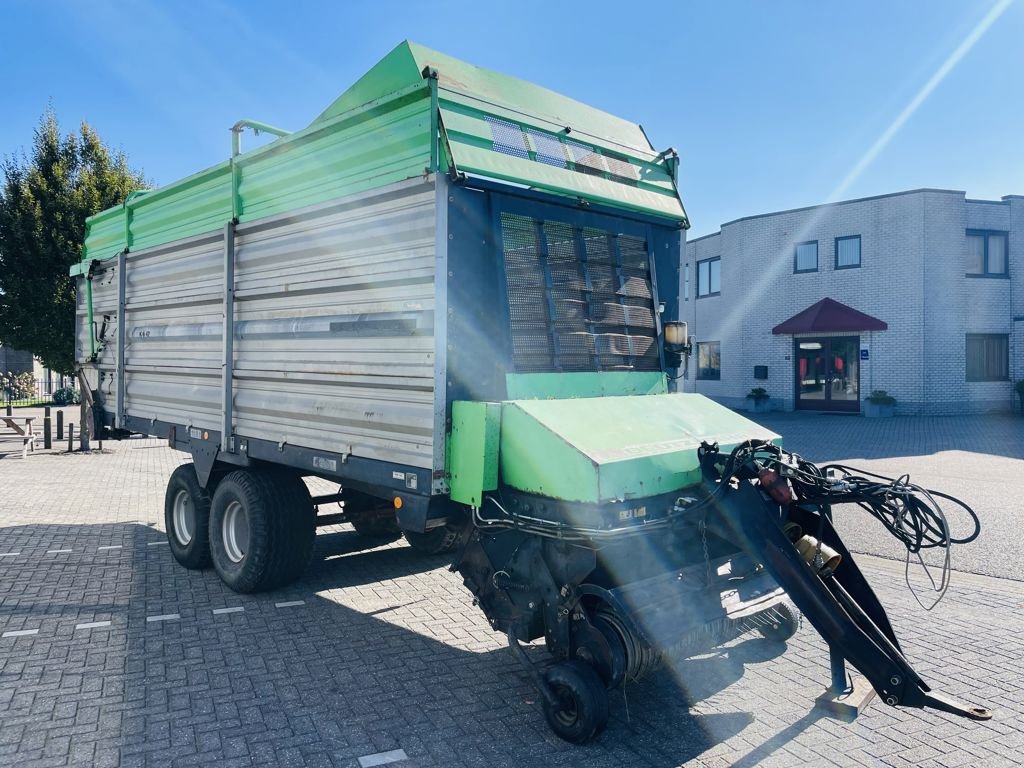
{"x":828,"y":316}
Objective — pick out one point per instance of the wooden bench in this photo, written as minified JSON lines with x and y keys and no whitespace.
{"x":26,"y":432}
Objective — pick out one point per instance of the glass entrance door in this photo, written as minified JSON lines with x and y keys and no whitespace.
{"x":828,"y":373}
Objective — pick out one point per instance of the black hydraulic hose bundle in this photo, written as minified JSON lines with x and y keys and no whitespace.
{"x":908,"y":511}
{"x":911,"y":513}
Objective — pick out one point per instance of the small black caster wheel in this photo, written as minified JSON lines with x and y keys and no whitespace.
{"x":580,"y":710}
{"x":782,"y":627}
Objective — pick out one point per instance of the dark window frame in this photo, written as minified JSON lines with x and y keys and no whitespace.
{"x":718,"y":374}
{"x":696,"y":274}
{"x":1005,"y":338}
{"x":860,"y":252}
{"x":817,"y":257}
{"x":985,"y":274}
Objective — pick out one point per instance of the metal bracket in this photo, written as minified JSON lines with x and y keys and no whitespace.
{"x":453,"y":171}
{"x":227,"y":384}
{"x":122,"y":378}
{"x":204,"y":455}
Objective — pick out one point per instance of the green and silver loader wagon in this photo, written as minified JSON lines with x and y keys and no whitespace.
{"x":456,"y":294}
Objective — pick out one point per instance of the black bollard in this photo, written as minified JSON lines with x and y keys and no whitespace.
{"x":71,"y":438}
{"x":47,"y":429}
{"x":60,"y":425}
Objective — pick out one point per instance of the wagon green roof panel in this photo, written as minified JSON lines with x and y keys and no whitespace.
{"x":405,"y":65}
{"x":416,"y":111}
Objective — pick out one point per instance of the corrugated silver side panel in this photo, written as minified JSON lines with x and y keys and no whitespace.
{"x":334,"y":326}
{"x":173,"y":331}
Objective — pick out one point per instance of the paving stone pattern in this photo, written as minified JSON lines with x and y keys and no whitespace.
{"x":379,"y":649}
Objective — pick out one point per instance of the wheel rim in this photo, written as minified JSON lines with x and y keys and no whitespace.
{"x":235,"y":532}
{"x":568,"y":712}
{"x":184,"y":518}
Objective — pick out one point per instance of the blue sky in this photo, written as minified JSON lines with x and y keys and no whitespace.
{"x":771,"y":105}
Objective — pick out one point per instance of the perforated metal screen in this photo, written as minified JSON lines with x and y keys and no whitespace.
{"x":580,"y":298}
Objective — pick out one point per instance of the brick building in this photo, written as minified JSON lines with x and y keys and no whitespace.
{"x":918,"y":293}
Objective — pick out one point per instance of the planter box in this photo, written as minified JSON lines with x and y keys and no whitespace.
{"x":759,"y":406}
{"x":875,"y":411}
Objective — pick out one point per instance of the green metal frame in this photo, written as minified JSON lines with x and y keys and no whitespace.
{"x":417,"y":110}
{"x":473,"y":450}
{"x":559,"y":386}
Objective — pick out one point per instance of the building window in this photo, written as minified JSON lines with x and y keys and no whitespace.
{"x":986,"y":253}
{"x":848,"y":252}
{"x":988,"y":357}
{"x":806,"y":257}
{"x":709,"y":360}
{"x":709,"y":277}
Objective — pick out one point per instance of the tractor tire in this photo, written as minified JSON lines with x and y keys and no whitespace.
{"x":262,"y":529}
{"x":187,"y":518}
{"x":434,"y":541}
{"x":581,"y":712}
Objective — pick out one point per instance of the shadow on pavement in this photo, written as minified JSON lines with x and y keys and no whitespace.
{"x":386,"y":652}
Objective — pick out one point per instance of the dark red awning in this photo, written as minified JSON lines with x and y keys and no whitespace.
{"x":828,"y":316}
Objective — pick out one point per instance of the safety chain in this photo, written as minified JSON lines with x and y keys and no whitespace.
{"x":707,"y":555}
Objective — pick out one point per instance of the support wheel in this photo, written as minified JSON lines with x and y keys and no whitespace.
{"x":434,"y":541}
{"x":782,"y":626}
{"x":582,"y":709}
{"x":262,"y":529}
{"x":186,"y":518}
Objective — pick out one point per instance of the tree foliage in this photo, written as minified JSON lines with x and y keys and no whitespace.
{"x":45,"y":199}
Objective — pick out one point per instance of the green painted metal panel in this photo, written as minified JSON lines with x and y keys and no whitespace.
{"x":104,"y":235}
{"x":506,"y":167}
{"x":379,"y":145}
{"x":608,"y":448}
{"x":385,"y":148}
{"x":405,"y":65}
{"x":395,"y":71}
{"x":557,"y":386}
{"x":473,"y":450}
{"x":384,"y":129}
{"x":193,"y":206}
{"x":535,"y":459}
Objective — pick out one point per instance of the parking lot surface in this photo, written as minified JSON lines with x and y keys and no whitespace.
{"x":112,"y":654}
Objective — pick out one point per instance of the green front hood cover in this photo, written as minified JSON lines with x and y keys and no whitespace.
{"x":612,"y":448}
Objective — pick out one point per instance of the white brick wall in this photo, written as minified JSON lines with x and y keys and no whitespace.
{"x":912,"y":276}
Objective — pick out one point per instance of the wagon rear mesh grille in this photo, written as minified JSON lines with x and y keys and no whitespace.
{"x":579,"y":298}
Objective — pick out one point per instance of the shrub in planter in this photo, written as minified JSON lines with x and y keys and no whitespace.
{"x":760,"y":400}
{"x":66,"y":396}
{"x":879,"y":403}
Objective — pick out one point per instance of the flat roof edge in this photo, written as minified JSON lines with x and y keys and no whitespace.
{"x":869,"y":198}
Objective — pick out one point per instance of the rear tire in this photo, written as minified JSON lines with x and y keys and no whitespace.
{"x":433,"y":541}
{"x":186,"y":518}
{"x":262,"y":529}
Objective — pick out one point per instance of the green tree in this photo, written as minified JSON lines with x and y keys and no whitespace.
{"x":45,"y":199}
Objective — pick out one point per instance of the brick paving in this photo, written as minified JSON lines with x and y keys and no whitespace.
{"x":386,"y":652}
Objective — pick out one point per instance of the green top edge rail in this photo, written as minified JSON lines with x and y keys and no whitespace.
{"x":411,"y":73}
